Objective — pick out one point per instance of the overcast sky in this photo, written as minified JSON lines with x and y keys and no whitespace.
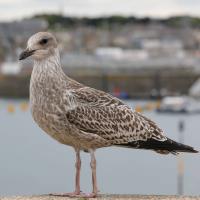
{"x":17,"y":9}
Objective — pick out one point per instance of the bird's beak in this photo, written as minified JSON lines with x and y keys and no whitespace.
{"x":25,"y":54}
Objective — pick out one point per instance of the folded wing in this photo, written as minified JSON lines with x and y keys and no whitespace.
{"x":99,"y":113}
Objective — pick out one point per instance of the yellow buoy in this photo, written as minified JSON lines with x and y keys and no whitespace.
{"x":158,"y":103}
{"x":149,"y":106}
{"x":11,"y":108}
{"x":24,"y":106}
{"x":138,"y":108}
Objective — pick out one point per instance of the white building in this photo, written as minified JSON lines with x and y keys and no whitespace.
{"x":10,"y":68}
{"x":117,"y":53}
{"x":157,"y":48}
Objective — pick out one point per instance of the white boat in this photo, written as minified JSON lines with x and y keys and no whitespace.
{"x":179,"y":104}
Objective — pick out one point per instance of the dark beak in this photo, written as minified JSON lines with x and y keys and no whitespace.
{"x":26,"y":54}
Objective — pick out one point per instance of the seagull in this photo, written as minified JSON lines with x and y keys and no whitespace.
{"x":83,"y":117}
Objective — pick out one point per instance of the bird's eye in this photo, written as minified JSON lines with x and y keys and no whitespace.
{"x":43,"y":41}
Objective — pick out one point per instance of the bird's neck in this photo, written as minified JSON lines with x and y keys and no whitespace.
{"x":49,"y":66}
{"x":48,"y":73}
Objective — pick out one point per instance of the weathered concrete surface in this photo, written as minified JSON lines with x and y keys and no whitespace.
{"x":106,"y":197}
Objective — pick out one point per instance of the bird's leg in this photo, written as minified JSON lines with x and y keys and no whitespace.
{"x":77,"y":178}
{"x":94,"y":176}
{"x":77,"y":192}
{"x":78,"y":171}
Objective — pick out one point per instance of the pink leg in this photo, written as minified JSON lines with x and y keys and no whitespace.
{"x":77,"y":178}
{"x":94,"y":179}
{"x":94,"y":176}
{"x":77,"y":192}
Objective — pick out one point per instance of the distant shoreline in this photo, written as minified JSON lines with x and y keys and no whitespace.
{"x":143,"y":84}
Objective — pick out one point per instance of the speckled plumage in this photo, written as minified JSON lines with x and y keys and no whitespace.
{"x":80,"y":116}
{"x":83,"y":117}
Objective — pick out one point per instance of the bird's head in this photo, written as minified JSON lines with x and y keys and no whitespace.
{"x":39,"y":46}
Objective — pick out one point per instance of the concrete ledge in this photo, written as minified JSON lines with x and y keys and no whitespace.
{"x":106,"y":197}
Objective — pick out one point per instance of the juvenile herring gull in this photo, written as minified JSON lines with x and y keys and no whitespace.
{"x":83,"y":117}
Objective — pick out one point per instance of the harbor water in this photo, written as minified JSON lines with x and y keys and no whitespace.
{"x":33,"y":163}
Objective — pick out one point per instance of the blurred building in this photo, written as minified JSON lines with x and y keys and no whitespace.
{"x":135,"y":58}
{"x":14,"y":34}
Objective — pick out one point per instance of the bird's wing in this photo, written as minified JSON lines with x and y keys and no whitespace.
{"x":94,"y":97}
{"x":99,"y":113}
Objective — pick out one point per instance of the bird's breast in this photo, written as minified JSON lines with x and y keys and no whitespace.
{"x":46,"y":108}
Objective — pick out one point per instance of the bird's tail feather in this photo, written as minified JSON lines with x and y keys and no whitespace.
{"x":164,"y":147}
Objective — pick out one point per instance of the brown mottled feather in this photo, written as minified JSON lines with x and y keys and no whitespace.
{"x":100,"y":113}
{"x":83,"y":117}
